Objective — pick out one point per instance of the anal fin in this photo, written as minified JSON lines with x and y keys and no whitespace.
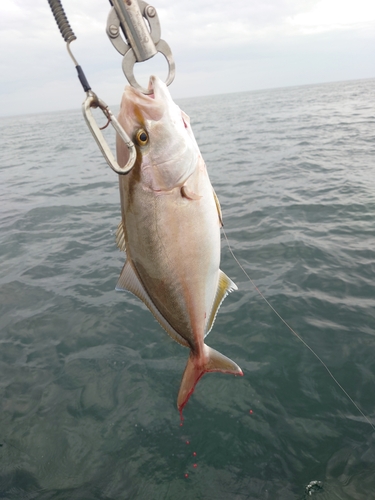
{"x":130,"y":281}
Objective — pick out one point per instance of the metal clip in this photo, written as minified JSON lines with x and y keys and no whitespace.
{"x":141,"y":44}
{"x":93,"y":101}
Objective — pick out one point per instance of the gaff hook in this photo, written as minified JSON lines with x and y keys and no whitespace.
{"x":93,"y":101}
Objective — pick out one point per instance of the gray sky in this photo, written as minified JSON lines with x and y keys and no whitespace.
{"x":218,"y":46}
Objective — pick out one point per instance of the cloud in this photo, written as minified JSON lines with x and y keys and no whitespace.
{"x":219,"y":46}
{"x":331,"y":15}
{"x":210,"y":23}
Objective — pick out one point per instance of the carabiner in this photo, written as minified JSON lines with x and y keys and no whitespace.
{"x":93,"y":101}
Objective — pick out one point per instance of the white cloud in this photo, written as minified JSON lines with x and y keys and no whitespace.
{"x":219,"y":46}
{"x":331,"y":15}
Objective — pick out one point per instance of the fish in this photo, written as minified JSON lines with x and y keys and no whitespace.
{"x":170,"y":229}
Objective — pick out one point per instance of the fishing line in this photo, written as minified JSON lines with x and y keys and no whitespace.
{"x":296,"y":334}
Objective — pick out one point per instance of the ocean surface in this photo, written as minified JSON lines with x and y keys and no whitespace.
{"x":89,"y":380}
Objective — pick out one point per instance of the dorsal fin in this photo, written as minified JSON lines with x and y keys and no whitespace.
{"x":224,"y":287}
{"x":120,"y":236}
{"x":130,"y":281}
{"x":218,"y":207}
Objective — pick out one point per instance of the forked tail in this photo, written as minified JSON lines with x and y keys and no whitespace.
{"x":195,"y":369}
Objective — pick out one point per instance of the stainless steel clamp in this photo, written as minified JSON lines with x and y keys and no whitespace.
{"x":140,"y":43}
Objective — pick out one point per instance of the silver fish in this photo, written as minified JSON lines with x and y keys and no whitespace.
{"x":170,"y":229}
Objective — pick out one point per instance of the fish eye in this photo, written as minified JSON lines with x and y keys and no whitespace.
{"x":141,"y":137}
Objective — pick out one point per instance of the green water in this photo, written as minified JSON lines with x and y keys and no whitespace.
{"x":89,"y":380}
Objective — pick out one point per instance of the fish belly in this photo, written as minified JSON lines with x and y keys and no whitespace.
{"x":173,"y":243}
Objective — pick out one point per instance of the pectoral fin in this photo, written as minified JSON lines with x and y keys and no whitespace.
{"x":130,"y":281}
{"x":224,"y":287}
{"x":215,"y":362}
{"x":189,"y":194}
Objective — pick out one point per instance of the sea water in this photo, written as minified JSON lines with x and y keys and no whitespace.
{"x":89,"y":380}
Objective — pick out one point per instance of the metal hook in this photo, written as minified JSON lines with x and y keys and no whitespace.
{"x":141,"y":44}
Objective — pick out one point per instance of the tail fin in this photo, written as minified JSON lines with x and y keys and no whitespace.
{"x":215,"y":362}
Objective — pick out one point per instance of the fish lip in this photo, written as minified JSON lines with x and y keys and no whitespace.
{"x":151,"y":87}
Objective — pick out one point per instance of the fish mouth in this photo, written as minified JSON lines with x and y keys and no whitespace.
{"x":151,"y":87}
{"x":152,"y":83}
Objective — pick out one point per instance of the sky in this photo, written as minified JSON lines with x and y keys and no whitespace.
{"x":218,"y":46}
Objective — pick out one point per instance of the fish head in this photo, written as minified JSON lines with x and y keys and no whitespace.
{"x":167,"y":152}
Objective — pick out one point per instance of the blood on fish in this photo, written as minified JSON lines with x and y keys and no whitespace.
{"x":251,"y":412}
{"x":181,"y":415}
{"x":187,"y":442}
{"x":181,"y":407}
{"x":194,"y":453}
{"x":195,"y":465}
{"x":186,"y":475}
